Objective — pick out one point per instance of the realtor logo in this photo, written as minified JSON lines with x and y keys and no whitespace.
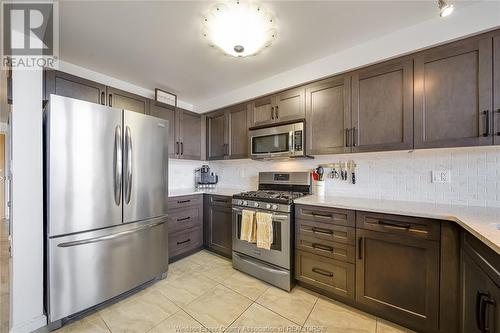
{"x":29,"y":34}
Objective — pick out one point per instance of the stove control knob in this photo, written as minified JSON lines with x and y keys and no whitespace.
{"x":268,"y":206}
{"x":240,"y":202}
{"x":245,"y":203}
{"x":256,"y":204}
{"x":275,"y":207}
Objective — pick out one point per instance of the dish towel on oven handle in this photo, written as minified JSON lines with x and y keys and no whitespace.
{"x":248,"y":230}
{"x":264,"y":230}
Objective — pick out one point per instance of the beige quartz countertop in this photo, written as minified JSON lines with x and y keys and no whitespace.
{"x":220,"y":191}
{"x":482,"y":222}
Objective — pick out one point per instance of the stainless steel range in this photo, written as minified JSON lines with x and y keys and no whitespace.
{"x":276,"y":193}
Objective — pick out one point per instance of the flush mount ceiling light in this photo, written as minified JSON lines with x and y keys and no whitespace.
{"x":445,"y":8}
{"x":239,"y":28}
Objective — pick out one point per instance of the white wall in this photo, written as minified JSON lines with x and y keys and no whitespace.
{"x":27,"y":311}
{"x":469,"y":20}
{"x":475,"y":175}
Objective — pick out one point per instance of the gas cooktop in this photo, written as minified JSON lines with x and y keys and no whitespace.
{"x":284,"y":197}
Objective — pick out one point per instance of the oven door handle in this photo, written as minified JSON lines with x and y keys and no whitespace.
{"x":275,"y":216}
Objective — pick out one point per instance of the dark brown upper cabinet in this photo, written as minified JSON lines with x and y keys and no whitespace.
{"x":216,"y":135}
{"x":263,"y":111}
{"x":238,"y":131}
{"x":382,"y":107}
{"x":127,"y":101}
{"x":227,"y":133}
{"x":328,"y":116}
{"x":167,"y":112}
{"x":285,"y":106}
{"x":453,"y":95}
{"x":184,"y":136}
{"x":189,"y":135}
{"x":67,"y":85}
{"x":496,"y":89}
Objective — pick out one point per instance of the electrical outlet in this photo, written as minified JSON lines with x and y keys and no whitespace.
{"x":441,"y":176}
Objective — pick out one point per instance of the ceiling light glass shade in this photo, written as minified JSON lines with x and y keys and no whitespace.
{"x":239,"y":28}
{"x":445,"y":8}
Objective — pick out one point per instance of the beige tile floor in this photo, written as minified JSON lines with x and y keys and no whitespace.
{"x":204,"y":293}
{"x":4,"y":276}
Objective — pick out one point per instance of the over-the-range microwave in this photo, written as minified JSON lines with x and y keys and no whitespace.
{"x":279,"y":141}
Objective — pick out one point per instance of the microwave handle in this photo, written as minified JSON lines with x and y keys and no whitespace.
{"x":291,"y":142}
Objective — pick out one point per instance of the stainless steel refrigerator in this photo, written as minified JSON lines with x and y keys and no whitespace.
{"x":105,"y":203}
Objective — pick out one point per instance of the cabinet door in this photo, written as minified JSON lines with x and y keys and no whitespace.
{"x":328,"y":116}
{"x":290,"y":105}
{"x":238,"y":131}
{"x":496,"y":89}
{"x":216,"y":136}
{"x":127,"y":101}
{"x":263,"y":111}
{"x":168,"y":113}
{"x":480,"y":309}
{"x":67,"y":85}
{"x":398,"y":277}
{"x":220,"y":230}
{"x":190,"y":135}
{"x":453,"y":95}
{"x":382,"y":107}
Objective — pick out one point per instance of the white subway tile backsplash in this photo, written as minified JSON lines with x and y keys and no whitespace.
{"x":475,"y":175}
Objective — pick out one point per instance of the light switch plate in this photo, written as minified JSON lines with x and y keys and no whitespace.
{"x":441,"y":176}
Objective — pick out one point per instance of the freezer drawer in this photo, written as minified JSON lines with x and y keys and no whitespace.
{"x":88,"y":268}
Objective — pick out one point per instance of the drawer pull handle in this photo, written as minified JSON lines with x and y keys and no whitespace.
{"x":183,"y":201}
{"x":187,"y":240}
{"x":360,"y":248}
{"x":322,"y":247}
{"x":321,"y":215}
{"x":402,"y":226}
{"x":322,"y":272}
{"x":322,"y":231}
{"x":221,"y":201}
{"x":184,"y":219}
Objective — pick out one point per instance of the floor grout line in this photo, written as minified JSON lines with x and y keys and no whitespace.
{"x":312,"y":309}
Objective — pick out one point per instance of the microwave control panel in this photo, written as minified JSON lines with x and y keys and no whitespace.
{"x":297,"y":140}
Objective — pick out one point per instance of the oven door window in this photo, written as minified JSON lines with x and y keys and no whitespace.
{"x":276,"y":245}
{"x":270,"y":144}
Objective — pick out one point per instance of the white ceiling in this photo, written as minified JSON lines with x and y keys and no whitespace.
{"x":159,"y":43}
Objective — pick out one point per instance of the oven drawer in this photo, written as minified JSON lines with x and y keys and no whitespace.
{"x":399,"y":225}
{"x":330,"y":275}
{"x":183,"y":241}
{"x":182,"y":219}
{"x":326,"y":215}
{"x":185,"y":201}
{"x":325,"y":248}
{"x":325,"y":231}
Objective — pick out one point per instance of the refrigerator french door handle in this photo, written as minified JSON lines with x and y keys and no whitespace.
{"x":108,"y":237}
{"x":128,"y":165}
{"x":118,"y":165}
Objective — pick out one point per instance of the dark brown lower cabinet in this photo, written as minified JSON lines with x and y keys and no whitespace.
{"x":332,"y":276}
{"x":398,"y":277}
{"x":480,"y":278}
{"x":218,"y":224}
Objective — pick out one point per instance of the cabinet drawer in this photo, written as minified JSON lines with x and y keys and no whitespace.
{"x":400,"y":225}
{"x":326,"y":215}
{"x":184,"y":201}
{"x":326,"y":248}
{"x":220,"y":200}
{"x":330,"y":275}
{"x":325,"y":231}
{"x":182,"y":219}
{"x":184,"y":241}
